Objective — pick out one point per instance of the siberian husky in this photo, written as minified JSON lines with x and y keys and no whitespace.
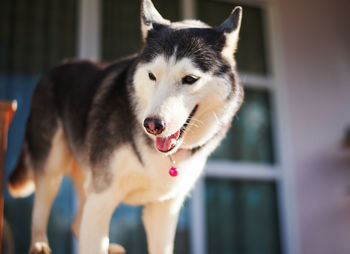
{"x":137,"y":131}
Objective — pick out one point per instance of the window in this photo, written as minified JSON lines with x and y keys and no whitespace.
{"x":236,"y":207}
{"x":250,"y":136}
{"x":242,"y":216}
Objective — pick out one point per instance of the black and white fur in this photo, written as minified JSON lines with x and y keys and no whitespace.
{"x":87,"y":120}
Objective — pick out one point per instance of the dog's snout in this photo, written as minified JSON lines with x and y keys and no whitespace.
{"x":154,"y":126}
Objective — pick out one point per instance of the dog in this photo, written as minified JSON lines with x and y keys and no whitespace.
{"x":137,"y":131}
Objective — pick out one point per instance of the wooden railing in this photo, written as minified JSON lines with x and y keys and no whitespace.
{"x":7,"y":110}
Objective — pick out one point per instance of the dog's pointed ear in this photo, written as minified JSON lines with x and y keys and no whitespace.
{"x":149,"y":17}
{"x":230,"y":27}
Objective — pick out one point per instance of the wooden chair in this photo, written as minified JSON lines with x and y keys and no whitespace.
{"x":7,"y":110}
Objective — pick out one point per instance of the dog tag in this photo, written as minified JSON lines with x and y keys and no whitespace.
{"x":173,"y":171}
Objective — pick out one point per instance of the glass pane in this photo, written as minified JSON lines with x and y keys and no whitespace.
{"x":127,"y":229}
{"x":250,"y":137}
{"x":242,"y":217}
{"x":121,"y":32}
{"x":251,"y":56}
{"x":34,"y":36}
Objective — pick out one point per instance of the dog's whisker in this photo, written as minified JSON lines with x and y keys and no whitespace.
{"x":193,"y":124}
{"x":197,"y":121}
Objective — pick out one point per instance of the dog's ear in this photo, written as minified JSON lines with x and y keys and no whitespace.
{"x":230,"y":27}
{"x":149,"y":17}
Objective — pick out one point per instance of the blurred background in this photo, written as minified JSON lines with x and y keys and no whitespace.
{"x":279,"y":183}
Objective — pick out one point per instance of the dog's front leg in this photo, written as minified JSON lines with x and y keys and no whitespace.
{"x":94,"y":230}
{"x":160,"y":220}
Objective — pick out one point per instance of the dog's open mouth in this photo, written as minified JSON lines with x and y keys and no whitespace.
{"x":166,"y":144}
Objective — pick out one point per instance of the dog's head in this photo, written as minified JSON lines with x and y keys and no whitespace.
{"x":186,"y":88}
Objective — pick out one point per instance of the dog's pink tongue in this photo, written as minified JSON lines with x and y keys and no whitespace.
{"x":165,"y":144}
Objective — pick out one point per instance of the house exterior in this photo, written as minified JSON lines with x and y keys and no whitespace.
{"x":280,"y":181}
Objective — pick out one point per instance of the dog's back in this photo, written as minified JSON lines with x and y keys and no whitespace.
{"x":63,"y":97}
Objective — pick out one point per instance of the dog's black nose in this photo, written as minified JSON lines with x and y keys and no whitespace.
{"x":154,"y":126}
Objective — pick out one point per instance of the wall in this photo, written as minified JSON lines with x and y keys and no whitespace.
{"x":315,"y":39}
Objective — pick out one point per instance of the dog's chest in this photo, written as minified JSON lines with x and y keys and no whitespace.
{"x":152,"y":182}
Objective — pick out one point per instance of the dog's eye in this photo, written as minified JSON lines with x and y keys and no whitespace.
{"x":151,"y":76}
{"x":189,"y":80}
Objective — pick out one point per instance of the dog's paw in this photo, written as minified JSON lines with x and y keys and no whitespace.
{"x":115,"y":249}
{"x":40,"y":248}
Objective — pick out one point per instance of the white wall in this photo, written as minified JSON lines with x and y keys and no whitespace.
{"x":315,"y":38}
